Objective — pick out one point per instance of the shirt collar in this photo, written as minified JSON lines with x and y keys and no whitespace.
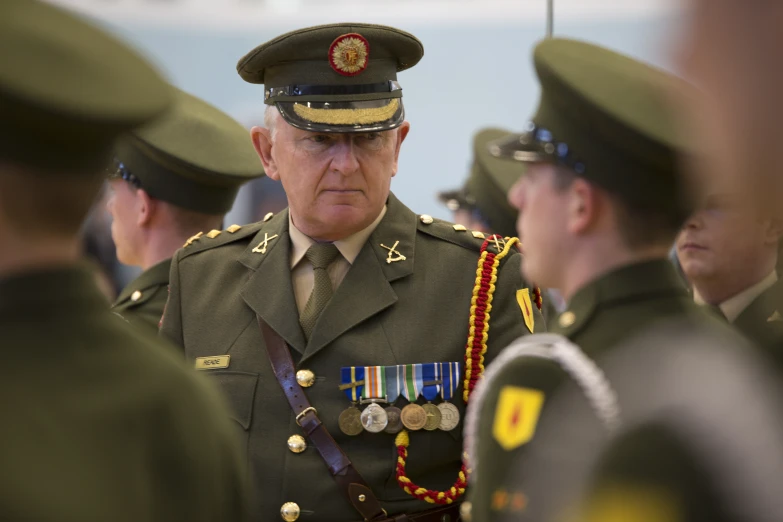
{"x":349,"y":247}
{"x":735,"y":305}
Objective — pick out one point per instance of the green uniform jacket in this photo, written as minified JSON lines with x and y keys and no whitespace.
{"x":762,"y":322}
{"x":410,"y":311}
{"x":101,"y":421}
{"x":143,"y":300}
{"x":604,"y":313}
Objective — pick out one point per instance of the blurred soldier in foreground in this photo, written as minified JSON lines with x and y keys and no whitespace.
{"x":171,"y":180}
{"x":698,"y":439}
{"x":100,"y":422}
{"x":728,"y":250}
{"x":345,"y":319}
{"x":600,"y":205}
{"x":668,"y":471}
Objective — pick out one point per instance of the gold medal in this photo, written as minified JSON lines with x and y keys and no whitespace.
{"x":449,"y":416}
{"x":395,"y":423}
{"x":413,"y":417}
{"x":350,"y":421}
{"x":433,"y":417}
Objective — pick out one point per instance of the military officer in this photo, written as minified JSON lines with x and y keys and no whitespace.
{"x":482,"y":203}
{"x":728,"y":250}
{"x":600,"y":205}
{"x":171,"y":180}
{"x":100,"y":422}
{"x":372,"y":317}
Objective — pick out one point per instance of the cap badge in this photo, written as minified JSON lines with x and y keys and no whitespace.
{"x":349,"y":53}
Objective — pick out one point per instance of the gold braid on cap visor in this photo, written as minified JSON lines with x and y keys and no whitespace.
{"x":348,"y":116}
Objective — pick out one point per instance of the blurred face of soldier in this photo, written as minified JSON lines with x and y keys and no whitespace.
{"x":337,"y":184}
{"x":123,"y":205}
{"x":731,"y":50}
{"x":543,"y":223}
{"x":727,"y":246}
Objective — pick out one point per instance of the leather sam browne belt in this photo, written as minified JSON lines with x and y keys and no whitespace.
{"x":350,"y":482}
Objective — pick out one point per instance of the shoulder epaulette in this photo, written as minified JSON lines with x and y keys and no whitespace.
{"x":456,"y":234}
{"x":217,"y":238}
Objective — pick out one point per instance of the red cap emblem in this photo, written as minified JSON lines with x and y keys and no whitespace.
{"x":349,"y":53}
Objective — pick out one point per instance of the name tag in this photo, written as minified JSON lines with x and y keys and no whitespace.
{"x":214,"y":362}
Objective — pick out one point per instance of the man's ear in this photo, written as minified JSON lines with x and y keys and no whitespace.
{"x":402,"y":133}
{"x":262,"y":141}
{"x":583,"y":206}
{"x":146,"y":207}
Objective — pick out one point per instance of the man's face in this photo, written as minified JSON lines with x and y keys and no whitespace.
{"x":123,"y":206}
{"x":723,"y":240}
{"x":728,"y":51}
{"x":337,"y":184}
{"x":542,"y":223}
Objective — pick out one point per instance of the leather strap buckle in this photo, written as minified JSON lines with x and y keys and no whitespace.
{"x":305,"y":412}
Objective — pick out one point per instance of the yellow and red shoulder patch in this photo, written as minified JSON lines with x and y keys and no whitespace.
{"x":526,"y":305}
{"x":349,"y":54}
{"x":516,"y":416}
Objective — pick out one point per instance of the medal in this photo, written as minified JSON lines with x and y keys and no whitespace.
{"x":449,"y":413}
{"x":449,"y":416}
{"x":395,"y":422}
{"x":352,"y":384}
{"x":433,"y":417}
{"x":430,"y":390}
{"x":350,"y":421}
{"x":374,"y":418}
{"x":413,"y":417}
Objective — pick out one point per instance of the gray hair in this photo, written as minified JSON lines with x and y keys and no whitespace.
{"x":271,"y":114}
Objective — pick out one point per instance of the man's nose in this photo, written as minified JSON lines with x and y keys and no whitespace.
{"x":344,"y":159}
{"x":516,"y":196}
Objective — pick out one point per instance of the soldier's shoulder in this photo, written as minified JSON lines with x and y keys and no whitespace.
{"x":460,"y":235}
{"x":216,"y":239}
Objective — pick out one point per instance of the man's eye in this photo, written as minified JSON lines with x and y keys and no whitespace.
{"x":372,"y":136}
{"x":319,"y":138}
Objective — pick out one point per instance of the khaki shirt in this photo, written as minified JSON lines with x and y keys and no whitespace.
{"x":302,"y":271}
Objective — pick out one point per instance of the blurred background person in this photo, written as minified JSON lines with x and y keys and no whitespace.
{"x":100,"y":422}
{"x":482,"y":202}
{"x":172,"y":183}
{"x":728,"y":251}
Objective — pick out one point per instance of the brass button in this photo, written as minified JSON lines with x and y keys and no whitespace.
{"x":268,"y":216}
{"x":290,"y":511}
{"x":305,"y":378}
{"x":465,"y":511}
{"x":426,"y":219}
{"x":362,"y":498}
{"x":297,"y":443}
{"x":567,"y":319}
{"x":135,"y":296}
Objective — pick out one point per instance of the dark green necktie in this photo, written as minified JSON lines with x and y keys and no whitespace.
{"x":320,"y":256}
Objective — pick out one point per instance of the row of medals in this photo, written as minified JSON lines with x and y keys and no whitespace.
{"x":375,"y":418}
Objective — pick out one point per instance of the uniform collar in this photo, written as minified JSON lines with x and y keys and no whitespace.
{"x":156,"y":275}
{"x":348,"y":247}
{"x":627,"y":284}
{"x":62,"y":289}
{"x":734,"y":306}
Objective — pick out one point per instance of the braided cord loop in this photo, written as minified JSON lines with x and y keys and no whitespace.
{"x":476,"y":347}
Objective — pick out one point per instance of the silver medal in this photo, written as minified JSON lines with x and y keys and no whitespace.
{"x":374,"y":418}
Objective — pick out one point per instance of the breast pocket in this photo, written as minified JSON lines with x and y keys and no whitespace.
{"x":239,"y":389}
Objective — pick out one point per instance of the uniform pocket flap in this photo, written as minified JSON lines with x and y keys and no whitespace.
{"x":239,"y":389}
